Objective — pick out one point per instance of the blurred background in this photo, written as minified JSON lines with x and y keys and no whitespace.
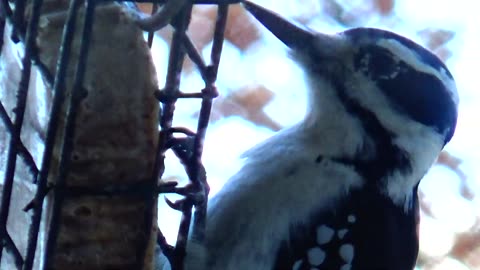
{"x":262,"y":91}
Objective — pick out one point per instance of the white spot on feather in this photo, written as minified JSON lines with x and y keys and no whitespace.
{"x":316,"y":256}
{"x":351,"y":219}
{"x":324,"y":234}
{"x":297,"y":264}
{"x":341,"y":233}
{"x":347,"y":252}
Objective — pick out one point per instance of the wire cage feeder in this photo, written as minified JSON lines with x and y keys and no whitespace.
{"x":82,"y":160}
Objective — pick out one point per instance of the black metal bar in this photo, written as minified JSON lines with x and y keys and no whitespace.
{"x":5,"y":10}
{"x":18,"y":19}
{"x":46,"y":74}
{"x":12,"y":248}
{"x":27,"y":157}
{"x":48,"y":77}
{"x":151,"y":34}
{"x":181,"y":245}
{"x":190,"y":95}
{"x":183,"y":130}
{"x":58,"y":99}
{"x":169,"y":96}
{"x":195,"y":56}
{"x":218,"y":38}
{"x":77,"y":94}
{"x":17,"y":123}
{"x":3,"y":18}
{"x":22,"y":150}
{"x":163,"y":96}
{"x":181,"y":23}
{"x":210,"y":93}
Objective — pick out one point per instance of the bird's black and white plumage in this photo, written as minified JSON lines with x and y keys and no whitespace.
{"x":338,"y":190}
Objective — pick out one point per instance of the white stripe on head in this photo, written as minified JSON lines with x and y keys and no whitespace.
{"x":410,"y":57}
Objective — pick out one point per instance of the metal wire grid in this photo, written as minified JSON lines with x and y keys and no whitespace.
{"x":188,"y":149}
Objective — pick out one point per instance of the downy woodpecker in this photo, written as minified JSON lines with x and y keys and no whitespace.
{"x":339,"y":189}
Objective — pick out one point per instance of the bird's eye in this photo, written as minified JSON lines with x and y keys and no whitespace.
{"x":377,"y":63}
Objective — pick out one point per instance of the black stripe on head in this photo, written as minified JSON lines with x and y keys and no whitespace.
{"x":388,"y":157}
{"x":421,"y":96}
{"x":366,"y":36}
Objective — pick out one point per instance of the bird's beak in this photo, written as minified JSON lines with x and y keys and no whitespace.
{"x":290,"y":34}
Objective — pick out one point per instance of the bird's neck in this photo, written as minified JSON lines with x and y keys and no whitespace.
{"x":340,"y":127}
{"x":330,"y":126}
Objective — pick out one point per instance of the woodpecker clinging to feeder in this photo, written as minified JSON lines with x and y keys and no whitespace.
{"x":339,"y":189}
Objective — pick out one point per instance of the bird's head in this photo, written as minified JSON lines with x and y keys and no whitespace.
{"x":400,"y":95}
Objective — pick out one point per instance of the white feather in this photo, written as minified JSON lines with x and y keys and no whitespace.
{"x":281,"y":184}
